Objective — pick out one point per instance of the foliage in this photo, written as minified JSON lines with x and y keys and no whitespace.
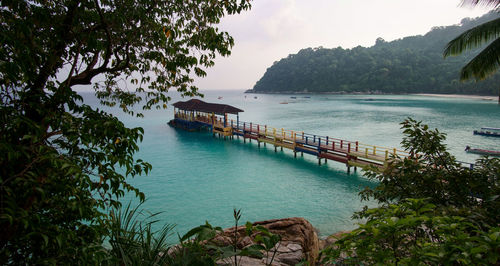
{"x":434,"y":173}
{"x":412,"y":233}
{"x":266,"y":241}
{"x":433,"y":210}
{"x":488,"y":3}
{"x":486,"y":63}
{"x":133,"y":240}
{"x":193,"y":249}
{"x":200,"y":246}
{"x":409,"y":65}
{"x":64,"y":163}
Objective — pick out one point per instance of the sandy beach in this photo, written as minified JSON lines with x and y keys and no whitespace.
{"x":481,"y":97}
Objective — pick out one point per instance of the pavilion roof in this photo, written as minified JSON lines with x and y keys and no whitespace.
{"x":201,"y":106}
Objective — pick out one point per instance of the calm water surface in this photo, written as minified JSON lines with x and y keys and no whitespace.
{"x":196,"y":177}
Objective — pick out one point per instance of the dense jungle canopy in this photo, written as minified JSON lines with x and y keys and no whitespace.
{"x":412,"y":64}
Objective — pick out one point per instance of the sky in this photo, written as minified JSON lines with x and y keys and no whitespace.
{"x":273,"y":29}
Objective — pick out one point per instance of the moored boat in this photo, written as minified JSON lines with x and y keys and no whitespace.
{"x":488,"y":131}
{"x":482,"y":151}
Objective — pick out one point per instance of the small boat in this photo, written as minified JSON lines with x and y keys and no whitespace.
{"x":488,"y":131}
{"x":255,"y":97}
{"x":283,"y":102}
{"x":482,"y":151}
{"x":220,"y":97}
{"x":293,"y":97}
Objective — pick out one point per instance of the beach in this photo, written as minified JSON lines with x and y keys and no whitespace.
{"x":481,"y":97}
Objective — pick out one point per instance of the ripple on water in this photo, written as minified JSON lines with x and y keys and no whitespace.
{"x":196,"y":177}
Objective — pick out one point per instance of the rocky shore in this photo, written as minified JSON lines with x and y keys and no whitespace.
{"x":299,"y":242}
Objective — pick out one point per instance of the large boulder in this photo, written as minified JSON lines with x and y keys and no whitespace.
{"x":299,"y":242}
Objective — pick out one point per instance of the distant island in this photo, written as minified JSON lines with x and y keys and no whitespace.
{"x":412,"y":64}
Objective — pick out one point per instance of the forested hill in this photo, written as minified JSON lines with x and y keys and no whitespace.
{"x":410,"y":65}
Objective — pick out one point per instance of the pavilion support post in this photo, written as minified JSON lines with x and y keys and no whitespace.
{"x":238,"y":121}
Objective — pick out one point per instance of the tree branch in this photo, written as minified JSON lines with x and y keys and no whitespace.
{"x":85,"y":77}
{"x":73,"y":67}
{"x":58,"y":49}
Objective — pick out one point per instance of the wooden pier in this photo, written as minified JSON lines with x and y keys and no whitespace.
{"x":196,"y":114}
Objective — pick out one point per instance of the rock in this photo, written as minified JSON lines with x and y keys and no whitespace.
{"x":299,"y":241}
{"x":296,"y":231}
{"x":291,"y":258}
{"x":294,"y":247}
{"x":246,"y":241}
{"x":247,"y":261}
{"x":329,"y":241}
{"x":324,"y":243}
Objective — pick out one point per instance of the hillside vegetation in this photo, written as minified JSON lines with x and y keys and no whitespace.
{"x":412,"y":64}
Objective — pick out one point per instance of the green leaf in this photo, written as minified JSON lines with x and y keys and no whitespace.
{"x":253,"y":251}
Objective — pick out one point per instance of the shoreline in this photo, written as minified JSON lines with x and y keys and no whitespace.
{"x":463,"y":96}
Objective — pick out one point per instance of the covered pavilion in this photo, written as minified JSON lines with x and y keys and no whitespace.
{"x":194,"y":114}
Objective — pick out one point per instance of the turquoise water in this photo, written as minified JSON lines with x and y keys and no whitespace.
{"x":196,"y":177}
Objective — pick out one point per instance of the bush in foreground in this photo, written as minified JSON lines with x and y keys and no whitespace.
{"x":432,"y":210}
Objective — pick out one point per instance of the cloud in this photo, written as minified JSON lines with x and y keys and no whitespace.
{"x":272,"y":29}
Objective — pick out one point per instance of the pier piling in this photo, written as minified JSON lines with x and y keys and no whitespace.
{"x":196,"y":114}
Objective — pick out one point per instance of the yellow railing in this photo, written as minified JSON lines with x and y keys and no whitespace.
{"x":354,"y":148}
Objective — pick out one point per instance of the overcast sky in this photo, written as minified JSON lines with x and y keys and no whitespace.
{"x":273,"y":29}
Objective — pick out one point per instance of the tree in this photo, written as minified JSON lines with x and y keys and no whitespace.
{"x":413,"y":64}
{"x":64,"y":163}
{"x":432,"y":210}
{"x":487,"y":61}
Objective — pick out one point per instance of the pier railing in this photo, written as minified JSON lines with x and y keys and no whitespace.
{"x":354,"y":148}
{"x":352,"y":153}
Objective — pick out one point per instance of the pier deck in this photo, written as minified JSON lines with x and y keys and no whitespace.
{"x":196,"y":114}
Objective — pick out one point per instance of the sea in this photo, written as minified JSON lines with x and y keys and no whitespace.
{"x":198,"y":178}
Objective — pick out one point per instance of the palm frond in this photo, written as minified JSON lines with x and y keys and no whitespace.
{"x":484,"y":64}
{"x":473,"y":38}
{"x":133,"y":240}
{"x":486,"y":3}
